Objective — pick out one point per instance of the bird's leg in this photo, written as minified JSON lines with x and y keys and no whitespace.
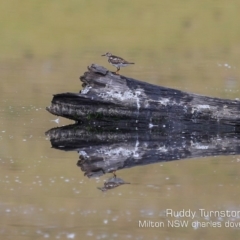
{"x":117,"y":70}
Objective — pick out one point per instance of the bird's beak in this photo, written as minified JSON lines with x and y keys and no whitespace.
{"x":104,"y":55}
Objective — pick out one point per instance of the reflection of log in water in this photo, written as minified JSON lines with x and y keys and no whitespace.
{"x":107,"y":151}
{"x":112,"y":97}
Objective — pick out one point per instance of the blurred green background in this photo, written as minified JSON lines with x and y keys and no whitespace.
{"x":44,"y":47}
{"x":153,"y":29}
{"x":182,"y":44}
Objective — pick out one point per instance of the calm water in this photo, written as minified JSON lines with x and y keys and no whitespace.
{"x":45,"y":47}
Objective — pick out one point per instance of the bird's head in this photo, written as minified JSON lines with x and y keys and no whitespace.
{"x":108,"y":54}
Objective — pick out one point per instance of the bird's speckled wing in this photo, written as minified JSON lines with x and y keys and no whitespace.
{"x":118,"y":60}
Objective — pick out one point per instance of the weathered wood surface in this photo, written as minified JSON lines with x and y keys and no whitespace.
{"x":112,"y":98}
{"x":107,"y":151}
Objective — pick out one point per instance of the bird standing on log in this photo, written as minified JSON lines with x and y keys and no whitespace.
{"x":117,"y":61}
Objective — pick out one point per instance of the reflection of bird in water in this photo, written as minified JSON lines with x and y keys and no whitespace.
{"x":112,"y":182}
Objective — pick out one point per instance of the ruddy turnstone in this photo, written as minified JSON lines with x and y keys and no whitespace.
{"x":117,"y":61}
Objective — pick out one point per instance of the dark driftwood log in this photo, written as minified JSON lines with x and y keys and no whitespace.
{"x":115,"y":98}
